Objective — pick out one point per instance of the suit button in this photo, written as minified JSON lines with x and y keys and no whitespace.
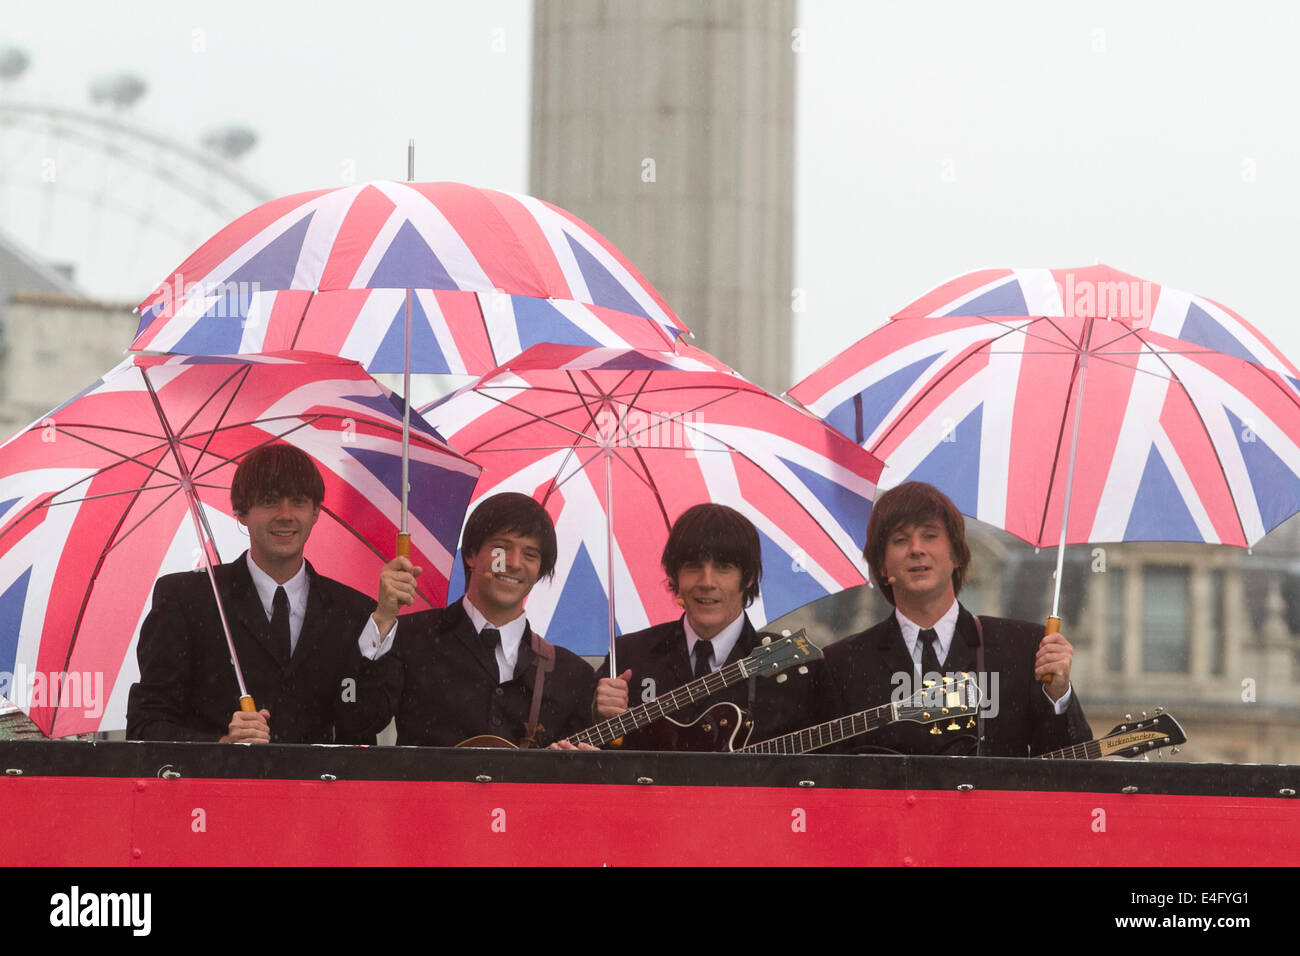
{"x":496,"y":721}
{"x":500,"y":692}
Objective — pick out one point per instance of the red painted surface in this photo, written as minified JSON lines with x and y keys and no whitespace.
{"x":80,"y":821}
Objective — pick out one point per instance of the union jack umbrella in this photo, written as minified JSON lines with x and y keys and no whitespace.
{"x":490,"y":274}
{"x":108,"y":491}
{"x":1101,"y":292}
{"x":1175,"y":441}
{"x":616,"y":444}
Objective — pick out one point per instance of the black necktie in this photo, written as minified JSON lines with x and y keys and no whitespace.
{"x":491,"y":637}
{"x":929,"y":659}
{"x":280,"y":623}
{"x":703,"y":658}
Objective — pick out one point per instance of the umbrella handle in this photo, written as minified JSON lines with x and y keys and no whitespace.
{"x":246,"y":704}
{"x":403,"y":544}
{"x":1053,"y":627}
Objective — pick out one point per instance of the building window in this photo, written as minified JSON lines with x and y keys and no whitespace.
{"x":1218,"y":622}
{"x":1115,"y":620}
{"x":1165,"y":614}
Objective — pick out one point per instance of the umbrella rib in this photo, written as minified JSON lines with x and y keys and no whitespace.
{"x":1060,"y":435}
{"x":1175,"y":379}
{"x":85,"y":601}
{"x":367,"y":544}
{"x":212,"y":433}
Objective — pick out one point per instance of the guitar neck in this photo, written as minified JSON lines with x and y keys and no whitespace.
{"x":823,"y":735}
{"x":1085,"y":751}
{"x":638,"y":717}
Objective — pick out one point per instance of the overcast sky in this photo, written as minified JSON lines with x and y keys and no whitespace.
{"x":933,"y":138}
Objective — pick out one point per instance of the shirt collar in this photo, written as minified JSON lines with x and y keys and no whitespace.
{"x":722,"y":642}
{"x":295,"y":588}
{"x":945,"y":627}
{"x":511,"y":633}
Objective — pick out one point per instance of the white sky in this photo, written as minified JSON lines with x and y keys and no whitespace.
{"x":933,"y":138}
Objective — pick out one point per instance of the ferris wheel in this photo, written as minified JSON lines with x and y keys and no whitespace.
{"x":102,"y":195}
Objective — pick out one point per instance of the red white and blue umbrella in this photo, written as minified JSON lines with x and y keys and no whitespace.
{"x":1100,"y":292}
{"x":1176,"y":442}
{"x":490,"y":274}
{"x":109,"y":491}
{"x":653,"y":434}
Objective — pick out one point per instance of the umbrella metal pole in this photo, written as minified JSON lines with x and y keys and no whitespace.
{"x":609,"y":557}
{"x":1054,"y":622}
{"x":187,"y":486}
{"x":404,"y":535}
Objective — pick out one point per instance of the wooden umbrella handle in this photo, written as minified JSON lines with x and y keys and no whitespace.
{"x":1053,"y":627}
{"x":246,"y":704}
{"x":403,"y":545}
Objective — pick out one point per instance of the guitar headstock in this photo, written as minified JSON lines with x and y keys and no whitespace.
{"x":776,"y":655}
{"x":953,"y":699}
{"x":1139,"y":736}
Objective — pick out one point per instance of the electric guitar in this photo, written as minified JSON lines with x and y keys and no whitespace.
{"x":953,"y":700}
{"x":768,"y":659}
{"x":1127,"y":740}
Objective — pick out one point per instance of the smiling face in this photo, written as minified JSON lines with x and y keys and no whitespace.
{"x":278,"y":528}
{"x":502,"y":572}
{"x":713,"y":594}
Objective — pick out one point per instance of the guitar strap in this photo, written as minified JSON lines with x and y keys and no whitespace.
{"x":544,"y":651}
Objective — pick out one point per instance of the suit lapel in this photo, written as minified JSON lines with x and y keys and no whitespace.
{"x":462,"y":629}
{"x":891,"y":650}
{"x":679,"y":661}
{"x":246,"y":610}
{"x":315,"y":622}
{"x":965,"y":639}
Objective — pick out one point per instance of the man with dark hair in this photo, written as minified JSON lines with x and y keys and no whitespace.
{"x":472,"y":668}
{"x":714,"y":566}
{"x":917,"y":553}
{"x":293,"y":629}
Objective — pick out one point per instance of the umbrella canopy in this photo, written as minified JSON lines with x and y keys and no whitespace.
{"x":95,"y":503}
{"x":1176,"y":441}
{"x":1100,"y":292}
{"x":491,"y":273}
{"x":617,"y":444}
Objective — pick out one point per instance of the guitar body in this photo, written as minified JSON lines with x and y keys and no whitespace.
{"x":489,"y":741}
{"x":722,"y":728}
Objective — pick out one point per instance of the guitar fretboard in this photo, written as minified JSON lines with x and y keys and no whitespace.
{"x":638,"y":717}
{"x":1085,"y":751}
{"x":823,"y":735}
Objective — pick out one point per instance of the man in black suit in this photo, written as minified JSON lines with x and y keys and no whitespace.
{"x":294,"y":631}
{"x":471,"y":668}
{"x":917,"y":553}
{"x":714,"y":566}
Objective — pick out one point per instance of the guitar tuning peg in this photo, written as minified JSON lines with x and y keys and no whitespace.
{"x":970,"y":723}
{"x":803,"y":670}
{"x":1174,"y":750}
{"x":953,"y":726}
{"x":1160,"y":710}
{"x":947,"y":680}
{"x":766,"y":641}
{"x":1128,"y":716}
{"x":1144,"y":715}
{"x":927,"y":684}
{"x":934,"y":729}
{"x":785,"y":632}
{"x":782,"y":678}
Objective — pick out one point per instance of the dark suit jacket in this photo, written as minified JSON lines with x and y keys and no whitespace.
{"x":187,"y":688}
{"x":859,"y":672}
{"x":443,"y":686}
{"x":659,"y":664}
